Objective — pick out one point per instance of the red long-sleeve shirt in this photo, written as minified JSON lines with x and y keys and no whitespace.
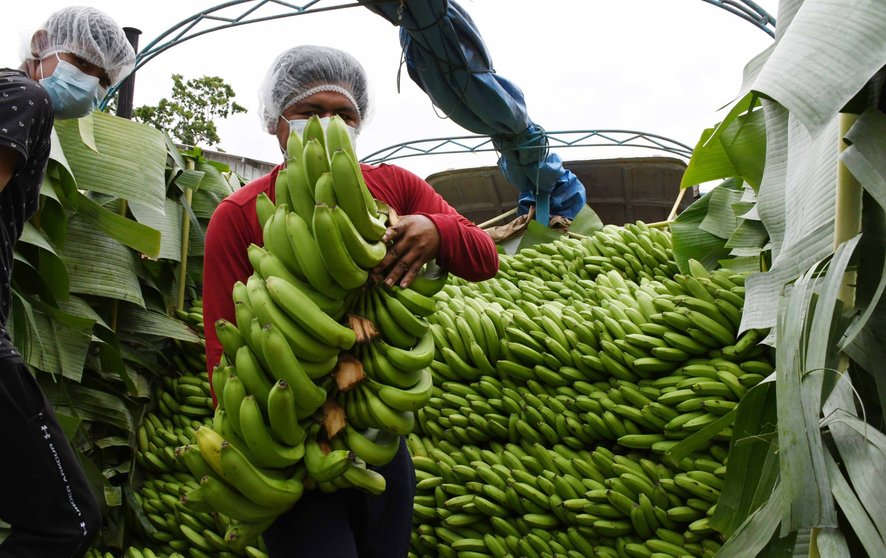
{"x":465,"y":250}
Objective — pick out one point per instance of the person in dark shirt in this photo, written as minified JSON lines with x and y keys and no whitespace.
{"x":73,"y":59}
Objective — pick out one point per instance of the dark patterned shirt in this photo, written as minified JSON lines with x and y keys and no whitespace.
{"x":26,"y":118}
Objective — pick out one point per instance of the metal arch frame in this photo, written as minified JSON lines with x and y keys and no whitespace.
{"x":182,"y":31}
{"x":188,"y":29}
{"x":748,"y":11}
{"x":556,"y":139}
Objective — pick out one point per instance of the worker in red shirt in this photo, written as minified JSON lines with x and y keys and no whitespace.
{"x":302,"y":82}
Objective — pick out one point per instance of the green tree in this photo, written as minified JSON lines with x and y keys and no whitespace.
{"x":189,"y":115}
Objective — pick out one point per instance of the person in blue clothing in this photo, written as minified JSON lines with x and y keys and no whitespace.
{"x":70,"y":62}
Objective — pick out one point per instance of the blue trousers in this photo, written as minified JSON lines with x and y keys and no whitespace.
{"x":350,"y":523}
{"x":44,"y":494}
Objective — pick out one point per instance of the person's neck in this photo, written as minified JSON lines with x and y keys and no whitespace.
{"x":29,"y":67}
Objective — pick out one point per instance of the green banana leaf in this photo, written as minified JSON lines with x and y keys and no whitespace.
{"x":150,"y":322}
{"x":168,"y":224}
{"x":586,"y":222}
{"x":88,"y":404}
{"x":98,"y":265}
{"x":690,"y":241}
{"x":117,"y":169}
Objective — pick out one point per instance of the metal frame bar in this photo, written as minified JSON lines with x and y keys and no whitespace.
{"x":181,"y":31}
{"x":556,"y":139}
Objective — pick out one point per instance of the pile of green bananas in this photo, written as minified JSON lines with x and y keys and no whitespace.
{"x":537,"y":366}
{"x":321,"y":373}
{"x":165,"y":525}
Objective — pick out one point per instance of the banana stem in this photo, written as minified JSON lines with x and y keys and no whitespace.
{"x":847,"y":221}
{"x":186,"y":233}
{"x":124,"y":208}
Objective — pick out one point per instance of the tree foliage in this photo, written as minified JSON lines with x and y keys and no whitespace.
{"x":189,"y":115}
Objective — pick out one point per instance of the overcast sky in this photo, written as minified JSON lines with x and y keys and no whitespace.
{"x":658,"y":66}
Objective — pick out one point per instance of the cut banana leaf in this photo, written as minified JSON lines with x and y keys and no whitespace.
{"x":804,"y":478}
{"x":586,"y":222}
{"x":119,"y":169}
{"x":89,"y":404}
{"x":720,"y":219}
{"x":809,"y":54}
{"x":753,"y":535}
{"x":536,"y":233}
{"x":691,"y":242}
{"x":130,"y":233}
{"x":168,"y":224}
{"x":862,"y":451}
{"x":753,"y":459}
{"x":57,"y":348}
{"x":99,"y":265}
{"x":148,"y":322}
{"x":862,"y":524}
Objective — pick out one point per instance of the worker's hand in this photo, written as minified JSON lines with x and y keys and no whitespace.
{"x":411,"y":242}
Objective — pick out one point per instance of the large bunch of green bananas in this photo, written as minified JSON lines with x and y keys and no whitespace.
{"x":321,"y":373}
{"x":560,"y":387}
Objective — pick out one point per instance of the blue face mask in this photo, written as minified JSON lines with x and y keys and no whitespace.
{"x":73,"y":93}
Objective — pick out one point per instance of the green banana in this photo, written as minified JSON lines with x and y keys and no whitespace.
{"x":230,"y":502}
{"x":314,"y":131}
{"x":255,"y":484}
{"x":305,"y":345}
{"x":337,"y":138}
{"x":365,"y":254}
{"x":339,"y":263}
{"x":281,"y":192}
{"x":430,"y":281}
{"x":232,"y":396}
{"x":282,"y":414}
{"x":301,"y":195}
{"x":386,"y":417}
{"x":411,"y":323}
{"x":348,"y":181}
{"x":376,"y":447}
{"x":229,"y":337}
{"x":308,"y":254}
{"x":365,"y":479}
{"x":315,"y":162}
{"x":325,"y":467}
{"x":299,"y":306}
{"x":417,"y":303}
{"x":272,"y":266}
{"x":410,"y":399}
{"x":264,"y":207}
{"x":391,"y":331}
{"x":378,"y":367}
{"x":250,"y":373}
{"x":285,"y":366}
{"x":323,"y":190}
{"x":276,"y":241}
{"x":418,"y":357}
{"x":268,"y":452}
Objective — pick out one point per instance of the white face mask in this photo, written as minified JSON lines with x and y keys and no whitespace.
{"x":299,"y":126}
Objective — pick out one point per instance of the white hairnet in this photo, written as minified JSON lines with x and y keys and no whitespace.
{"x":309,"y":69}
{"x":88,"y":33}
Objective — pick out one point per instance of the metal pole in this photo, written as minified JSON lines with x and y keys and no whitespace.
{"x":127,"y":89}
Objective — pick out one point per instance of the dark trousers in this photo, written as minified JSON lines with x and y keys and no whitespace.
{"x":349,"y":523}
{"x":44,"y":495}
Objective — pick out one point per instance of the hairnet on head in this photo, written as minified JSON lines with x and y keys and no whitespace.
{"x":88,"y":33}
{"x":307,"y":69}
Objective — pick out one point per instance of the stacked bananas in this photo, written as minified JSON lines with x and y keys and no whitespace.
{"x":547,"y":360}
{"x":321,"y":373}
{"x":182,"y":406}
